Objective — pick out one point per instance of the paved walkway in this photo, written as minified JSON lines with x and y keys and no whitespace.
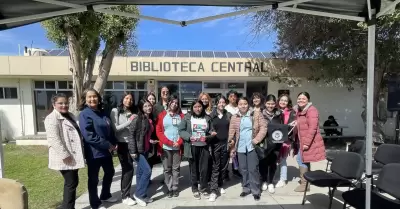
{"x":284,"y":198}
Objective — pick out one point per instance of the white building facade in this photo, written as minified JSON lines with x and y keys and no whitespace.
{"x":28,"y":83}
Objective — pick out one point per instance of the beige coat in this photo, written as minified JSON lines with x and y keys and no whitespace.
{"x":63,"y":140}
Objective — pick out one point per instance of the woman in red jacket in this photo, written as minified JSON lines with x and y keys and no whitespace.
{"x":170,"y":144}
{"x":311,"y":146}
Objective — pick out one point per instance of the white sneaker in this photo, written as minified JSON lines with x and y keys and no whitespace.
{"x":111,"y":200}
{"x":102,"y":207}
{"x":129,"y":201}
{"x":212,"y":197}
{"x":264,"y":186}
{"x":271,"y":188}
{"x":281,"y":183}
{"x":222,"y":190}
{"x":140,"y":202}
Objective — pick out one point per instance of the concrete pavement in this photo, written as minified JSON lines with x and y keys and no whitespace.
{"x":284,"y":198}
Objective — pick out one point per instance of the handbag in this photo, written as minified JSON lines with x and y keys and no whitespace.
{"x":261,"y":149}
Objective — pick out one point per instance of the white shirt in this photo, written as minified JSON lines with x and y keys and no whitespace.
{"x":232,"y":110}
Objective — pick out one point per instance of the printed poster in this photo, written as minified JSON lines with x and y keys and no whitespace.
{"x":198,"y":130}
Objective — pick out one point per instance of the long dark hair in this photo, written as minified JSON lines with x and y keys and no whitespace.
{"x":203,"y":111}
{"x":219,"y":97}
{"x":151,"y":94}
{"x":141,"y":115}
{"x":132,"y":108}
{"x":262,"y":99}
{"x":82,"y":103}
{"x":172,"y":98}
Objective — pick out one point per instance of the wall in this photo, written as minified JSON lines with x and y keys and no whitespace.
{"x":345,"y":106}
{"x":17,"y":119}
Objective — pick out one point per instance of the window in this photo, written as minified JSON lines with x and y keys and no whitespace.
{"x":235,"y":86}
{"x":44,"y":90}
{"x":8,"y":93}
{"x":212,"y":85}
{"x":189,"y":92}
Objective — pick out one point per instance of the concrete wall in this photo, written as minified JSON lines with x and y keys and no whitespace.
{"x":17,"y":115}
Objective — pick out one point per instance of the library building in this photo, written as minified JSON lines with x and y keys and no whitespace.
{"x":27,"y":83}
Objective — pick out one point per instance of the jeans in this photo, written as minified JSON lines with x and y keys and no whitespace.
{"x":300,"y":161}
{"x":283,"y":167}
{"x":249,"y":168}
{"x":71,"y":181}
{"x":127,"y":169}
{"x":143,"y":175}
{"x":93,"y":179}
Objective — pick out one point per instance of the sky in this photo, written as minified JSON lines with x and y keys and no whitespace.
{"x":229,"y":34}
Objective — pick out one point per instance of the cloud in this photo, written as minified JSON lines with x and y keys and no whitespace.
{"x":190,"y":13}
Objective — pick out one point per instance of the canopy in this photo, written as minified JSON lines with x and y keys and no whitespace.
{"x":15,"y":13}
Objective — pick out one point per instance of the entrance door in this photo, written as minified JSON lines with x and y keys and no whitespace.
{"x":215,"y":93}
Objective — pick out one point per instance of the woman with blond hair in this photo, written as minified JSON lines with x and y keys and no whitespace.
{"x":207,"y":101}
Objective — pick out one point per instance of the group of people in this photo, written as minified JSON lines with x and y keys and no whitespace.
{"x":208,"y":136}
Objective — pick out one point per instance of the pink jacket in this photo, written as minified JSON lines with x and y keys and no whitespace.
{"x":309,"y":134}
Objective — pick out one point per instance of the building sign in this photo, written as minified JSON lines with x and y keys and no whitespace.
{"x":198,"y":67}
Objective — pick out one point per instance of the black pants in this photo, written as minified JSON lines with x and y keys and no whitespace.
{"x":268,"y":167}
{"x":219,"y":165}
{"x":71,"y":181}
{"x":198,"y":166}
{"x":127,"y":169}
{"x":93,"y":179}
{"x":225,"y":161}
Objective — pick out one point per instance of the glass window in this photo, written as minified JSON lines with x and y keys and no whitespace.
{"x":189,"y":92}
{"x":39,"y":85}
{"x":235,"y":86}
{"x":173,"y":87}
{"x":63,"y":84}
{"x":70,"y":85}
{"x":119,"y":85}
{"x":212,"y":85}
{"x":112,"y":98}
{"x":131,"y":85}
{"x":138,"y":95}
{"x":50,"y":84}
{"x":1,"y":93}
{"x":142,"y":85}
{"x":109,"y":85}
{"x":10,"y":93}
{"x":43,"y":107}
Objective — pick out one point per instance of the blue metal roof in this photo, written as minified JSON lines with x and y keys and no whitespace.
{"x":180,"y":53}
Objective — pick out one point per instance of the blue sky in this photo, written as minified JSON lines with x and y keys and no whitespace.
{"x":230,"y":34}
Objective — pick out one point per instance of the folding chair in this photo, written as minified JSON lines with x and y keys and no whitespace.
{"x":346,"y":167}
{"x":357,"y":147}
{"x":385,"y":154}
{"x":388,"y":182}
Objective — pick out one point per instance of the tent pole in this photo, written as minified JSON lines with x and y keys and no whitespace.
{"x":370,"y":107}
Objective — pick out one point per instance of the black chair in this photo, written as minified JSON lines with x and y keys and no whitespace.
{"x":385,"y":154}
{"x":358,"y":147}
{"x":346,"y":167}
{"x":388,"y":182}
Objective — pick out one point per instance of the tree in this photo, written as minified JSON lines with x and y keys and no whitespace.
{"x":82,"y":34}
{"x":340,"y":49}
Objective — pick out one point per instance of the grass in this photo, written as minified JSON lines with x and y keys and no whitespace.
{"x":28,"y":165}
